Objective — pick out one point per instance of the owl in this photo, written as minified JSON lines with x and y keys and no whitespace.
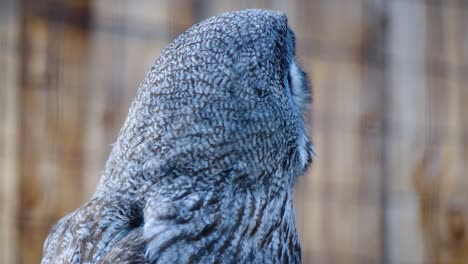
{"x":204,"y":167}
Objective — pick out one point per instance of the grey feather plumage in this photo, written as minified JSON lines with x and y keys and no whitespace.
{"x":204,"y":167}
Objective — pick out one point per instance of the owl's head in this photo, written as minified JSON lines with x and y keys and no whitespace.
{"x":224,"y":104}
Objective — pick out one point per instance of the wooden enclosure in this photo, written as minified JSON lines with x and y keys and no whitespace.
{"x":389,"y":118}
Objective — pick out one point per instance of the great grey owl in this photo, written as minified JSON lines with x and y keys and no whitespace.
{"x":204,"y":167}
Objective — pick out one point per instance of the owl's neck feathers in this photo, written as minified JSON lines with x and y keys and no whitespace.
{"x":235,"y":225}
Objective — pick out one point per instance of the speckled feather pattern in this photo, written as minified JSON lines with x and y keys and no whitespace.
{"x":204,"y":166}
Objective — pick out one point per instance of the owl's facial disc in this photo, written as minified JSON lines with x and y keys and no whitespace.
{"x":300,"y":94}
{"x":299,"y":87}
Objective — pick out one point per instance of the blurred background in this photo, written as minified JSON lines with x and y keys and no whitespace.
{"x":389,"y":119}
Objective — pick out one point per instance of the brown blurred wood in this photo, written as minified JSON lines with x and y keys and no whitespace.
{"x":406,"y":131}
{"x":340,"y":210}
{"x":461,"y":76}
{"x":8,"y":131}
{"x":440,"y":177}
{"x":52,"y":94}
